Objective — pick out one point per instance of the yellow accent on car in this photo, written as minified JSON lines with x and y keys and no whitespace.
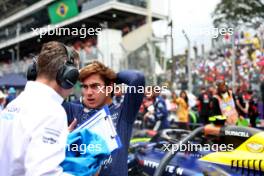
{"x":252,"y":149}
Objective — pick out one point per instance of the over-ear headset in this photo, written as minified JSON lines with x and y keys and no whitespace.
{"x":32,"y":70}
{"x":67,"y":75}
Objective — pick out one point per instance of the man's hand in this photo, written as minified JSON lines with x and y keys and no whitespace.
{"x":241,"y":117}
{"x":211,"y":129}
{"x":244,"y":110}
{"x":147,"y":115}
{"x":72,"y":125}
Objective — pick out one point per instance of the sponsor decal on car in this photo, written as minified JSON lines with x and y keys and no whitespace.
{"x":236,"y":133}
{"x":255,"y":147}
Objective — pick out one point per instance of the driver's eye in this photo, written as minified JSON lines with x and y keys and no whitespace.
{"x":95,"y":86}
{"x":84,"y":86}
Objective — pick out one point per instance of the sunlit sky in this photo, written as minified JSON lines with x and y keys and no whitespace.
{"x":194,"y":16}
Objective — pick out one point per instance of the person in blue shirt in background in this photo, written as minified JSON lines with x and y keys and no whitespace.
{"x":11,"y":95}
{"x":159,"y":110}
{"x":118,"y":97}
{"x":97,"y":82}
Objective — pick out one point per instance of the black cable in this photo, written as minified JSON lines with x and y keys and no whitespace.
{"x":167,"y":158}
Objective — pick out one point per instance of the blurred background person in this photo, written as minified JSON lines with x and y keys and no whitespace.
{"x":212,"y":91}
{"x":262,"y":93}
{"x":182,"y":109}
{"x":2,"y":100}
{"x":242,"y":101}
{"x":11,"y":95}
{"x":144,"y":108}
{"x":166,"y":94}
{"x":204,"y":109}
{"x":223,"y":103}
{"x":118,"y":97}
{"x":253,"y":112}
{"x":173,"y":107}
{"x":157,"y":112}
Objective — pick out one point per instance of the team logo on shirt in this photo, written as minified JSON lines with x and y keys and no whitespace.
{"x":50,"y":136}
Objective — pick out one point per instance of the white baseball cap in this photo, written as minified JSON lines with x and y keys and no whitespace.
{"x":2,"y":95}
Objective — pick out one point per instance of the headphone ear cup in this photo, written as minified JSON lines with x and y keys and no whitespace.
{"x":59,"y":76}
{"x":67,"y":76}
{"x":32,"y":72}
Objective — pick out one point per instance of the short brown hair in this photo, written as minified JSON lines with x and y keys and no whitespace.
{"x":51,"y":58}
{"x":96,"y":67}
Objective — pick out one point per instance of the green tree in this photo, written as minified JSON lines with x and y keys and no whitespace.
{"x":237,"y":12}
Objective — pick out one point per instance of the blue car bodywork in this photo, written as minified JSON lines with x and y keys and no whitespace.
{"x":145,"y":157}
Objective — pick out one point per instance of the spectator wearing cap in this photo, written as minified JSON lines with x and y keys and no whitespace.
{"x":2,"y":100}
{"x":11,"y":95}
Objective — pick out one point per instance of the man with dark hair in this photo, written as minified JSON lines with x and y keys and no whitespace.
{"x":33,"y":127}
{"x":242,"y":103}
{"x":204,"y":100}
{"x":97,"y":80}
{"x":253,"y":107}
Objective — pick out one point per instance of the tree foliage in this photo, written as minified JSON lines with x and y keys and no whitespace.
{"x":237,"y":12}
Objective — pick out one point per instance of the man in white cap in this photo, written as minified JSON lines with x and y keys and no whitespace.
{"x":2,"y":100}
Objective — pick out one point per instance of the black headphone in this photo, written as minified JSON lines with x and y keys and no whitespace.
{"x":67,"y":76}
{"x":32,"y":70}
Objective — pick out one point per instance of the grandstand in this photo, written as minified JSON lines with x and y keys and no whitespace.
{"x":122,"y":23}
